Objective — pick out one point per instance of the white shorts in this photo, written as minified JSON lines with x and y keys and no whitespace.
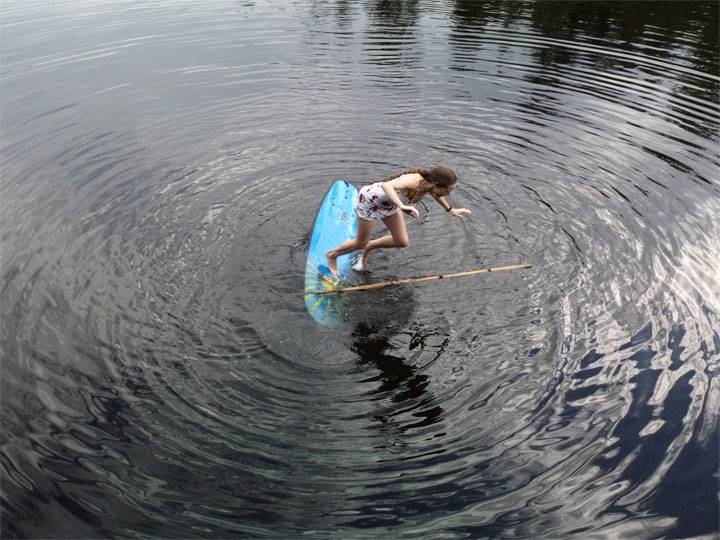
{"x":373,"y":203}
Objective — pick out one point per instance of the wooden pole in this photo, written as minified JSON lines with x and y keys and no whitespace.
{"x":417,"y":279}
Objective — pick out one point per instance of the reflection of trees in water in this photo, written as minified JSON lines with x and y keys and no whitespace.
{"x":692,"y":26}
{"x":669,"y":23}
{"x":672,"y":29}
{"x":344,"y":10}
{"x":659,"y":29}
{"x":392,"y":39}
{"x":682,"y":33}
{"x":403,"y":14}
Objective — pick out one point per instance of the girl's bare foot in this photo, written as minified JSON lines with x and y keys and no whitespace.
{"x":332,"y":263}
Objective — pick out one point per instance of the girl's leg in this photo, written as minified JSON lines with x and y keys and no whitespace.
{"x":364,"y":230}
{"x":398,"y":236}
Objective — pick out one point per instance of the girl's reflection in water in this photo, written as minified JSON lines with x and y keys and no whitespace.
{"x":402,"y":395}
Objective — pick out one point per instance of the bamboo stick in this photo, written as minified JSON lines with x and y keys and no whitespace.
{"x":418,"y":279}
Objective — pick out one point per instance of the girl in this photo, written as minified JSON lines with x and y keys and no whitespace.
{"x":383,"y":199}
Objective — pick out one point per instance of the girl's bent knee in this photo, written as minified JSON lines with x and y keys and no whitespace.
{"x":405,"y":242}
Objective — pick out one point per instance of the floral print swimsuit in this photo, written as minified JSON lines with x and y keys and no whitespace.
{"x":373,"y":202}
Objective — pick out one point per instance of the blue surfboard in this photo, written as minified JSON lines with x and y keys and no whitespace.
{"x":335,"y":222}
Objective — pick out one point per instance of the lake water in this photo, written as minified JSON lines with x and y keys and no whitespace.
{"x":162,"y":164}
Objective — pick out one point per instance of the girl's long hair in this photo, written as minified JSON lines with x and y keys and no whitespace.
{"x":442,"y":176}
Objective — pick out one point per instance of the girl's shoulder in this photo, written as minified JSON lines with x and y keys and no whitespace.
{"x":410,"y":180}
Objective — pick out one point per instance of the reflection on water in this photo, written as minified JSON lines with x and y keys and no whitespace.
{"x":382,"y":330}
{"x":403,"y":382}
{"x":161,"y":167}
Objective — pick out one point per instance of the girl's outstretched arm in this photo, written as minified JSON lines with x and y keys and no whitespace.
{"x":457,"y":212}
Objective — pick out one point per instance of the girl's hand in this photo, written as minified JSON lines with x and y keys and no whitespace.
{"x":458,"y":212}
{"x":410,"y":210}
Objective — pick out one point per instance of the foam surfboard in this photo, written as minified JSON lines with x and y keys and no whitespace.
{"x":335,"y":222}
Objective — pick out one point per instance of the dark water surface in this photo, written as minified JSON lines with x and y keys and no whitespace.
{"x":162,"y":163}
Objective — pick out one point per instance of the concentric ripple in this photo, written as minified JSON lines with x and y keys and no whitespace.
{"x":161,"y":170}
